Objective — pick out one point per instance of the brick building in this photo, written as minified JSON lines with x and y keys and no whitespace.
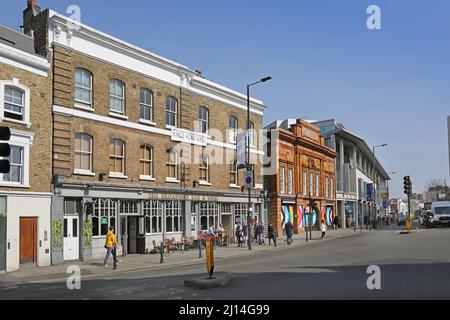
{"x":140,"y":143}
{"x":304,"y":169}
{"x":25,"y":193}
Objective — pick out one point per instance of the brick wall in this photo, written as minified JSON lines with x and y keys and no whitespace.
{"x":40,"y":118}
{"x":66,"y":61}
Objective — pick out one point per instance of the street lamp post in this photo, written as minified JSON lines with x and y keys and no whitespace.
{"x":374,"y":180}
{"x":248,"y":165}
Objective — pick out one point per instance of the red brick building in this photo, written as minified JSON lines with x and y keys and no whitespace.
{"x":305,"y":168}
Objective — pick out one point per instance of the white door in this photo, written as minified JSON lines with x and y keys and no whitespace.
{"x":71,"y":244}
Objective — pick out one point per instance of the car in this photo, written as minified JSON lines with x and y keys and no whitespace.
{"x":440,"y":214}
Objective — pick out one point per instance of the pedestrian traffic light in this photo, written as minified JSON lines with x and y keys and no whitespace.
{"x":5,"y":149}
{"x":407,"y":185}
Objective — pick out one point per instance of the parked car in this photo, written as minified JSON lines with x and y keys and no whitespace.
{"x":440,"y":214}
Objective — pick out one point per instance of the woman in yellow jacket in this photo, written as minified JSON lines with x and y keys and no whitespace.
{"x":111,"y":246}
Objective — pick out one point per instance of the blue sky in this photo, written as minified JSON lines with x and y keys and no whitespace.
{"x":388,"y":86}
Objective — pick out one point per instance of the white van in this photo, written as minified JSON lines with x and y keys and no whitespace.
{"x":440,"y":213}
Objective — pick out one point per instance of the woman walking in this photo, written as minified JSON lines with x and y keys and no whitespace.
{"x":111,"y":246}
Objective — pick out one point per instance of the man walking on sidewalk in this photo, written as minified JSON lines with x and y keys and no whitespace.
{"x":271,"y":234}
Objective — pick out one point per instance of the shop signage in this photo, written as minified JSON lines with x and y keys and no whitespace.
{"x":181,"y":197}
{"x":104,"y":221}
{"x":185,"y":136}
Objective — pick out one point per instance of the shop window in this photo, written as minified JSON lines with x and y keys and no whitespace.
{"x":103,"y":216}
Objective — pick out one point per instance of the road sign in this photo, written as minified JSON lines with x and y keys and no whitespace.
{"x":249,"y":179}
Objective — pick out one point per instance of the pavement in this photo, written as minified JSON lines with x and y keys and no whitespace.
{"x":134,"y":263}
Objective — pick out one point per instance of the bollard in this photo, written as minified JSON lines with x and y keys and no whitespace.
{"x":199,"y":248}
{"x":162,"y":252}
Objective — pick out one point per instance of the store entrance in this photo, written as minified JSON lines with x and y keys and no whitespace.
{"x":135,"y":235}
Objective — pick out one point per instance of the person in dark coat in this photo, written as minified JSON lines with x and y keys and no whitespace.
{"x":271,"y":234}
{"x":335,"y":222}
{"x":289,"y":232}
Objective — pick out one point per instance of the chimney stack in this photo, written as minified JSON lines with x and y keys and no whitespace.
{"x":29,"y":13}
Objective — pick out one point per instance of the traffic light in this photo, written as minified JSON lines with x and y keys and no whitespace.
{"x":5,"y":149}
{"x":407,"y":185}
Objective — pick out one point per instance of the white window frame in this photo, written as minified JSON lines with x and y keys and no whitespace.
{"x":24,"y":140}
{"x":175,"y":113}
{"x":115,"y":174}
{"x":114,"y":96}
{"x":326,"y":187}
{"x":79,"y":170}
{"x":317,"y":186}
{"x":175,"y":164}
{"x":148,"y":162}
{"x":232,"y":131}
{"x":304,"y":183}
{"x":203,"y":122}
{"x":290,"y":180}
{"x":251,"y":135}
{"x":146,"y":105}
{"x":204,"y":165}
{"x":234,"y":172}
{"x":311,"y":184}
{"x":282,"y":180}
{"x":26,"y":98}
{"x":83,"y":104}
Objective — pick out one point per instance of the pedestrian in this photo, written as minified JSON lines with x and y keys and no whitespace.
{"x":239,"y":234}
{"x":366,"y":222}
{"x":289,"y":232}
{"x":323,"y":228}
{"x":335,"y":222}
{"x":111,"y":245}
{"x":244,"y":235}
{"x":271,"y":234}
{"x":260,"y":233}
